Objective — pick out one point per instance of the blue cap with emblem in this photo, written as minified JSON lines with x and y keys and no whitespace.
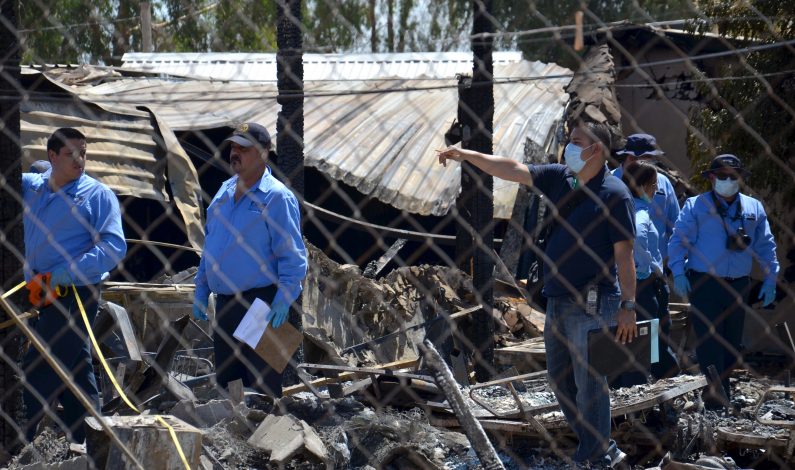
{"x":728,"y":161}
{"x":250,"y":133}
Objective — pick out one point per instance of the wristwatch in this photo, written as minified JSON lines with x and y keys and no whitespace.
{"x":628,"y":305}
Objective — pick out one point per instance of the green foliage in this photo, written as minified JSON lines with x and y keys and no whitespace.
{"x":100,"y":31}
{"x":50,"y":34}
{"x":341,"y":25}
{"x":551,"y":47}
{"x":188,"y":28}
{"x":753,"y":118}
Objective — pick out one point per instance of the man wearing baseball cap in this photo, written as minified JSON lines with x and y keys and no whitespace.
{"x":253,"y":249}
{"x":663,"y":211}
{"x":715,"y":239}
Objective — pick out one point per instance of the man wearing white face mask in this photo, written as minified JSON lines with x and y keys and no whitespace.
{"x":717,"y":236}
{"x":590,"y":241}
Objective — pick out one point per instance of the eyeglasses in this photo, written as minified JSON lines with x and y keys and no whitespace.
{"x":732,"y":177}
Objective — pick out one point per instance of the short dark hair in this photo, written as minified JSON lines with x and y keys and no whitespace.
{"x":638,"y":174}
{"x":599,"y":133}
{"x":58,"y":138}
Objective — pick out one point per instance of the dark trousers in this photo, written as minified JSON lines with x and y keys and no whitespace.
{"x":72,"y":347}
{"x":235,"y":359}
{"x":669,"y":364}
{"x":718,"y":317}
{"x":651,"y":300}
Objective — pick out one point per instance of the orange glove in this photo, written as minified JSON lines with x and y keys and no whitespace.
{"x":42,"y":293}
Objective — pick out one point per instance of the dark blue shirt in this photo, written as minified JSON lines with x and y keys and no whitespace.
{"x":579,"y":249}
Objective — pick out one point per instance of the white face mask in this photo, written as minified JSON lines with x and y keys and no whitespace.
{"x":727,"y":187}
{"x":573,"y":155}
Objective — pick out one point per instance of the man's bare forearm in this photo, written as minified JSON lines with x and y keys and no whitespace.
{"x":500,"y":167}
{"x":626,"y":269}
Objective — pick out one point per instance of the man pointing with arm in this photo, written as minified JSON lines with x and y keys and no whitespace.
{"x":589,"y":250}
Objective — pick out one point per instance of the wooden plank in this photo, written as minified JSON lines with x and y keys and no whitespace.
{"x":347,"y":376}
{"x":751,"y":440}
{"x":12,"y":322}
{"x":696,"y":383}
{"x":236,"y":392}
{"x":511,"y":422}
{"x":502,"y":425}
{"x":122,"y":320}
{"x":528,"y":356}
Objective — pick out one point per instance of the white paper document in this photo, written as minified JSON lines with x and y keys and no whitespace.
{"x":254,"y":323}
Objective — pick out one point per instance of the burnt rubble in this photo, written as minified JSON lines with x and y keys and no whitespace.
{"x":382,"y":405}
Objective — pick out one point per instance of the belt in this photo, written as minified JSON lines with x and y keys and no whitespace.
{"x":725,"y":278}
{"x":253,"y":290}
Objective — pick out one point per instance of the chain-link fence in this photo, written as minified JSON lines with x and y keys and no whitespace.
{"x":397,"y":234}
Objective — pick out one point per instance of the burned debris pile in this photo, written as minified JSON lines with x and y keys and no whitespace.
{"x":368,"y":395}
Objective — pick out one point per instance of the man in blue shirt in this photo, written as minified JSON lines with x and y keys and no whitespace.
{"x":73,"y":236}
{"x":253,"y":249}
{"x":664,"y":210}
{"x":718,"y":235}
{"x":592,"y":231}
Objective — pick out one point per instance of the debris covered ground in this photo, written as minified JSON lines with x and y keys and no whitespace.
{"x":388,"y":419}
{"x":352,"y":433}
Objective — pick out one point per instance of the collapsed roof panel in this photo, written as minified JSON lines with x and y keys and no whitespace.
{"x":378,"y":135}
{"x":121,"y":152}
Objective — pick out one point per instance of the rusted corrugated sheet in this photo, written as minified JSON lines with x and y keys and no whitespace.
{"x":121,"y":150}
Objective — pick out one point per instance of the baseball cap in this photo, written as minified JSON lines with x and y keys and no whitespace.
{"x":250,"y":133}
{"x":726,"y":160}
{"x":40,"y":166}
{"x":641,"y":144}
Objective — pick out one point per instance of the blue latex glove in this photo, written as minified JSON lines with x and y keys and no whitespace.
{"x":280,"y":309}
{"x":768,"y":292}
{"x":682,"y":285}
{"x":200,"y":301}
{"x":60,"y":276}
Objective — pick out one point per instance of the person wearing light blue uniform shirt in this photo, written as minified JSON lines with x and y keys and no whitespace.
{"x":663,"y":210}
{"x":253,"y":249}
{"x":641,"y":179}
{"x":716,"y":239}
{"x":73,"y":233}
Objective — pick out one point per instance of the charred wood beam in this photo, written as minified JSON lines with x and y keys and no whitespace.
{"x":345,"y":376}
{"x":10,"y":216}
{"x":472,"y":428}
{"x":290,"y":84}
{"x":375,"y":267}
{"x":374,"y":342}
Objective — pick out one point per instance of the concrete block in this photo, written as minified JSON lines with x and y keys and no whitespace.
{"x":285,"y":437}
{"x":146,"y":438}
{"x":204,"y":415}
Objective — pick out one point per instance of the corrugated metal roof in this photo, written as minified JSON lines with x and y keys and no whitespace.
{"x":262,"y":67}
{"x":121,"y":151}
{"x":376,"y":135}
{"x":126,"y":150}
